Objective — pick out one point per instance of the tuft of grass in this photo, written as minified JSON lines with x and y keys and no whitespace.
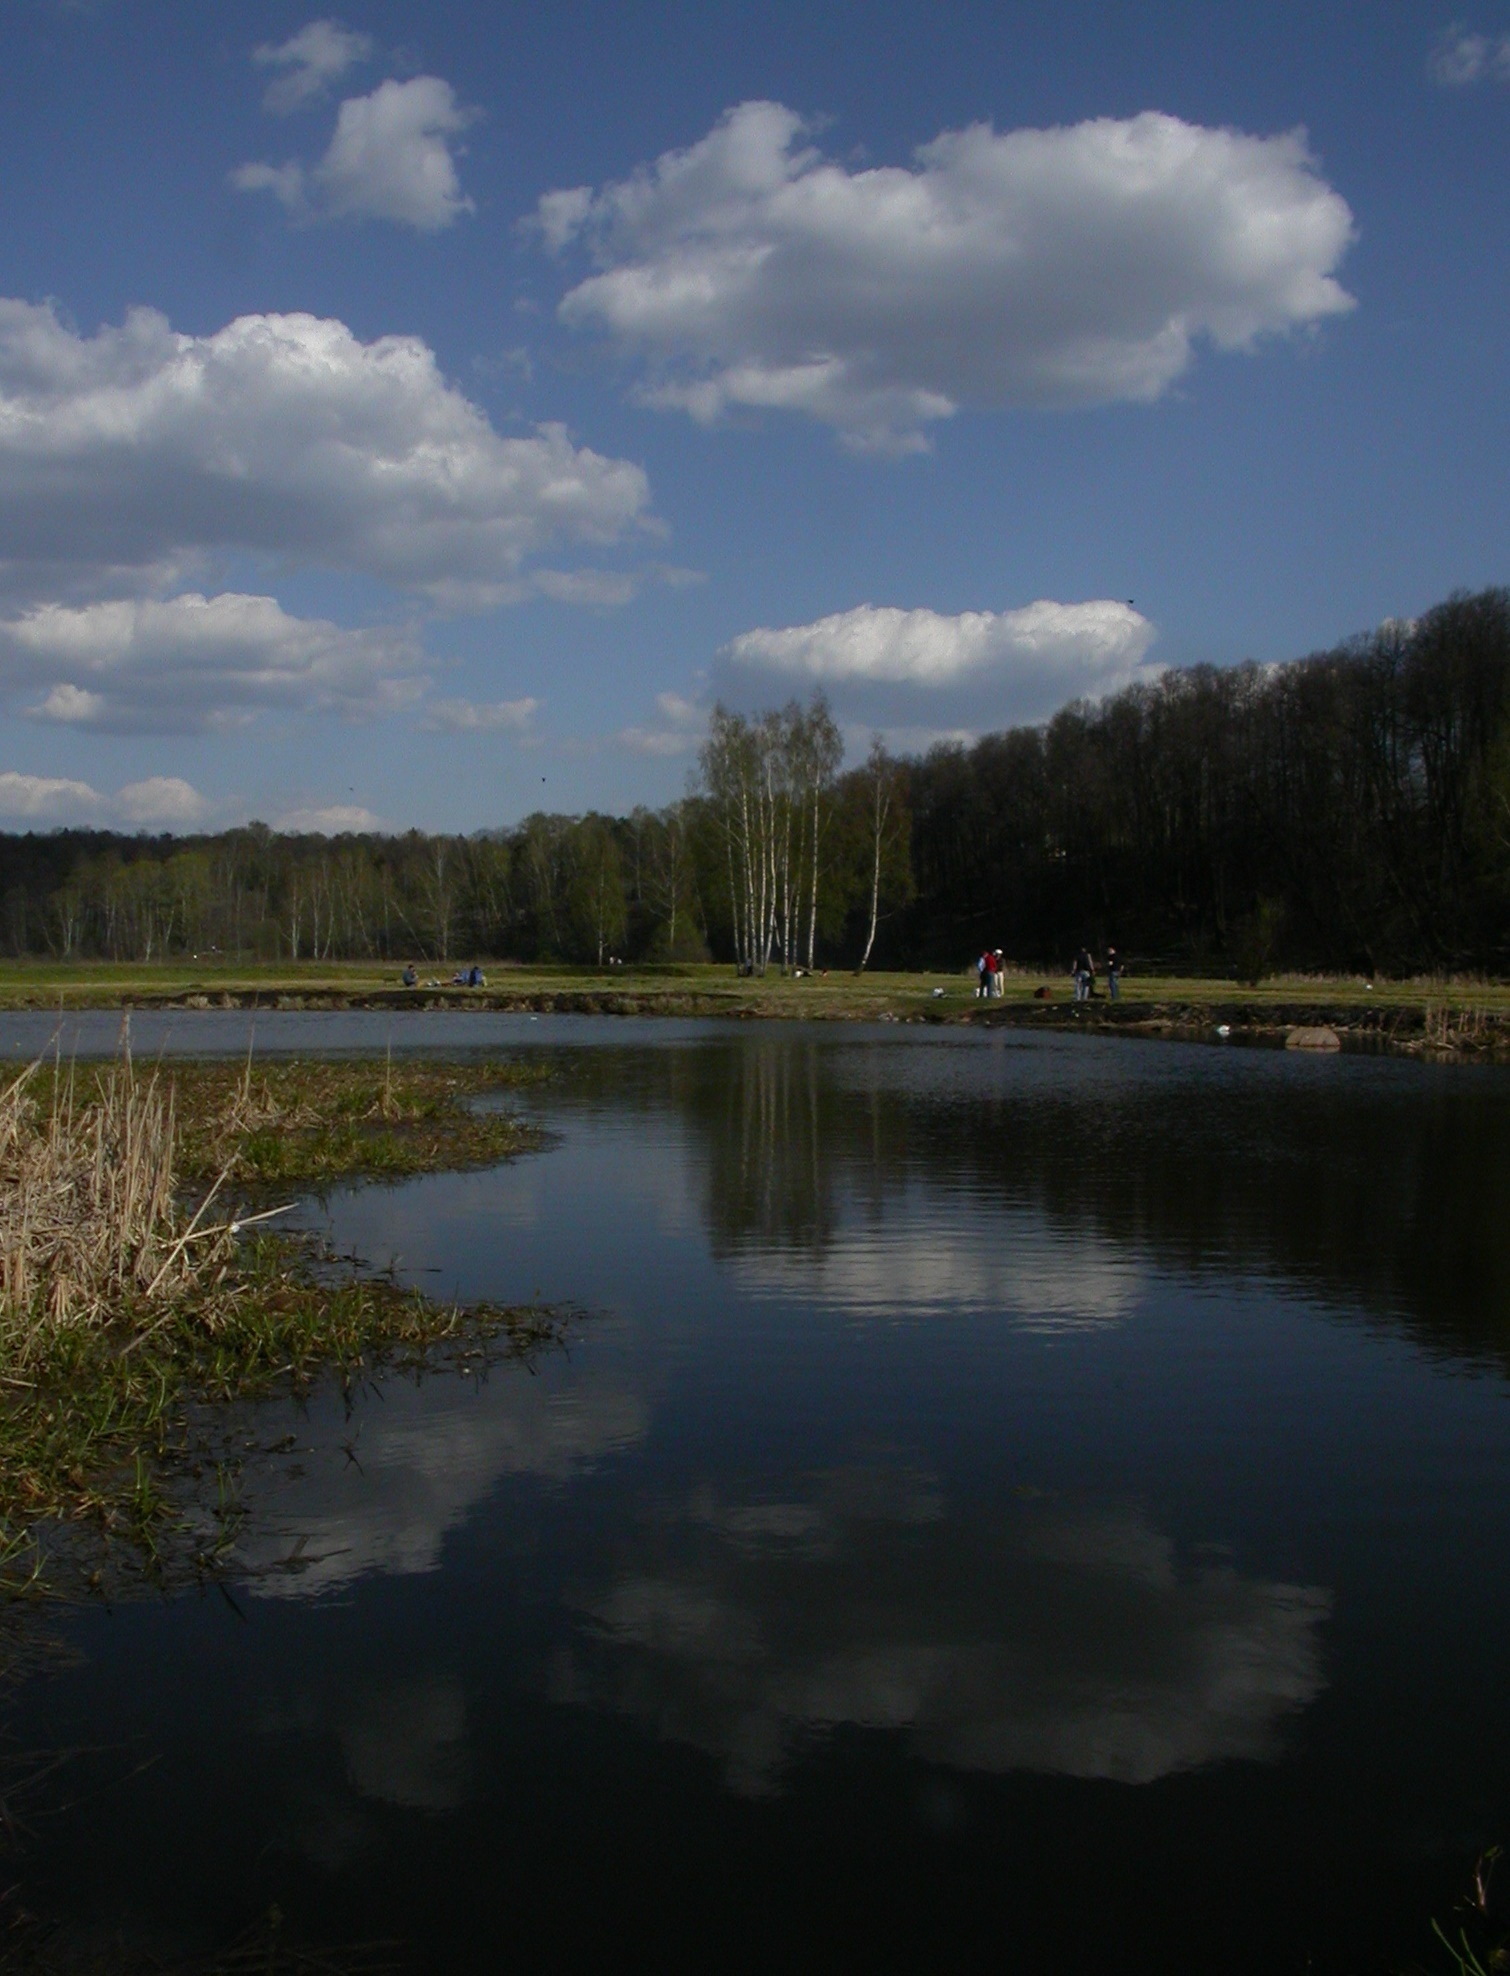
{"x":313,"y":1123}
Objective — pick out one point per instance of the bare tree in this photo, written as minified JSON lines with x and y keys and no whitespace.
{"x":887,"y":824}
{"x":767,"y":781}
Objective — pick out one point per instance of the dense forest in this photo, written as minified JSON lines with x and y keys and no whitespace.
{"x":1346,"y":810}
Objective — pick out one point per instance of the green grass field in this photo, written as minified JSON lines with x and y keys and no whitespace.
{"x":691,"y":988}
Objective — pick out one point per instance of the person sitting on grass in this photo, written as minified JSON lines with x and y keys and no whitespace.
{"x":408,"y":977}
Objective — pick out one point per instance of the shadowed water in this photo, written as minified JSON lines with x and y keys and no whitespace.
{"x":1031,"y":1503}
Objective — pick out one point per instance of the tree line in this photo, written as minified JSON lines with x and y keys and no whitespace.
{"x":1350,"y":809}
{"x":766,"y":863}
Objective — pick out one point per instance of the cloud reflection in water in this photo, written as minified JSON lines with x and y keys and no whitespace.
{"x":423,"y":1458}
{"x":1038,"y":1636}
{"x":1013,"y":1266}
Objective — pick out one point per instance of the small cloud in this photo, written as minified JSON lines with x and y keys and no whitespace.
{"x":47,"y":798}
{"x":686,"y":713}
{"x":170,"y":666}
{"x":685,"y":724}
{"x":1462,"y":58}
{"x":165,"y":800}
{"x":561,"y":216}
{"x":161,"y":799}
{"x":389,"y":159}
{"x":72,"y":706}
{"x":513,"y":362}
{"x":609,"y":588}
{"x":656,"y":741}
{"x":312,"y":59}
{"x":285,"y":182}
{"x":889,"y":666}
{"x":336,"y":820}
{"x":470,"y":717}
{"x":1086,"y":644}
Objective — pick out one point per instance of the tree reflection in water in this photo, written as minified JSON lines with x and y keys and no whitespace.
{"x":1378,"y":1187}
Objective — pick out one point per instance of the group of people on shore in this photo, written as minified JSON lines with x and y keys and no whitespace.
{"x":990,"y":972}
{"x":464,"y":977}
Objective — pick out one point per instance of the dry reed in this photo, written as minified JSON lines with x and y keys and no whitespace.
{"x":91,"y":1222}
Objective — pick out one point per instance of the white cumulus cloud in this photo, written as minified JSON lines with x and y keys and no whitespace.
{"x":389,"y":158}
{"x":1019,"y":664}
{"x":1073,"y":266}
{"x":1462,"y":57}
{"x":125,"y":454}
{"x":311,"y":61}
{"x":334,"y":820}
{"x":164,"y":800}
{"x":139,"y":666}
{"x":46,"y":798}
{"x":472,"y":717}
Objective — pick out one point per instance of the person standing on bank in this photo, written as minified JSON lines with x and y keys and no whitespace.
{"x":1113,"y":973}
{"x":1084,"y":972}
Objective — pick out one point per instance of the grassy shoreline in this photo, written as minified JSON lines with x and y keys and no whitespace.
{"x":141,"y":1289}
{"x":1451,"y":1017}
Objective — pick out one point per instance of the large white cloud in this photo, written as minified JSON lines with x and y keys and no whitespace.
{"x":1072,"y":266}
{"x":190,"y":662}
{"x":125,"y":454}
{"x":389,"y":159}
{"x":1019,"y":664}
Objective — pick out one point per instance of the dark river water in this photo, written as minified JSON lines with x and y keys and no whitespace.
{"x":1011,"y":1503}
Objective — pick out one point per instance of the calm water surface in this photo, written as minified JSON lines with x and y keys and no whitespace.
{"x":1013,"y":1503}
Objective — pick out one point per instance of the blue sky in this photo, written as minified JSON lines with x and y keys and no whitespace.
{"x":957,"y":358}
